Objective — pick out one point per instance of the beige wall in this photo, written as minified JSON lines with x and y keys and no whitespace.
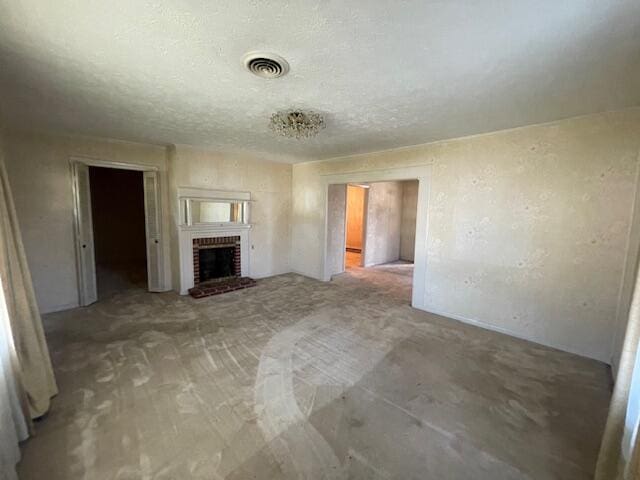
{"x":270,"y":187}
{"x":355,"y":214}
{"x":527,"y":228}
{"x":408,"y":222}
{"x":384,"y":214}
{"x":40,"y":177}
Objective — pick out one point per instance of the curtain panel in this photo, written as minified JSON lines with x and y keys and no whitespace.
{"x":26,"y":375}
{"x":13,"y":424}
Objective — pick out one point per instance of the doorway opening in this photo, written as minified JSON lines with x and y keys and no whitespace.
{"x":356,"y":201}
{"x":371,"y":230}
{"x":118,"y":225}
{"x":117,"y":210}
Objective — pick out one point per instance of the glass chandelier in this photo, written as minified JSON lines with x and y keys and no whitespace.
{"x":296,"y":123}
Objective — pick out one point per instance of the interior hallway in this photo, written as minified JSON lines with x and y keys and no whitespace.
{"x":298,"y":378}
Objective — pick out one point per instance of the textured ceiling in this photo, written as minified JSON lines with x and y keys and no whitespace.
{"x":384,"y":73}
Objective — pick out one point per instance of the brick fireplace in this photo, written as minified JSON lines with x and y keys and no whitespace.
{"x":217,"y":266}
{"x":212,"y":242}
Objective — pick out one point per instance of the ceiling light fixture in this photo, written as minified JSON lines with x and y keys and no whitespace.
{"x":266,"y":65}
{"x":296,"y":123}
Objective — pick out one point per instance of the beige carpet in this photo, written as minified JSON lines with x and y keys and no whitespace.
{"x":301,"y":379}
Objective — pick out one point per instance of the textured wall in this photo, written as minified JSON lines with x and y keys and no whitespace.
{"x":384,"y":213}
{"x":355,"y":216}
{"x":40,"y":176}
{"x":527,"y":228}
{"x":270,"y":187}
{"x":408,"y":221}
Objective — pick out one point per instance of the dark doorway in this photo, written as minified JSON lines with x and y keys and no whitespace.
{"x":117,"y":207}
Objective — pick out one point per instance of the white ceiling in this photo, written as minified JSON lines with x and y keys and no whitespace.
{"x":384,"y":73}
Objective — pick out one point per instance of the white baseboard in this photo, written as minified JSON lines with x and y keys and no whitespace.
{"x":298,"y":272}
{"x":59,"y":308}
{"x":511,"y":333}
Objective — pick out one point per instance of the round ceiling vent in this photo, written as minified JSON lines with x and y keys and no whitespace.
{"x":266,"y":65}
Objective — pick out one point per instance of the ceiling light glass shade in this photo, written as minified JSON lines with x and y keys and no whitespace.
{"x":296,"y":123}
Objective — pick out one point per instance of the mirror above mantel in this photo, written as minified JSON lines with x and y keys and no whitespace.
{"x":204,"y":208}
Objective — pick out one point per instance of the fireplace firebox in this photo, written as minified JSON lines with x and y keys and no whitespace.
{"x":215,"y":258}
{"x":216,"y":262}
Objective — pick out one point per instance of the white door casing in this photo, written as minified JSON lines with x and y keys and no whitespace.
{"x":83,"y":222}
{"x":422,"y":174}
{"x":152,"y":228}
{"x":85,"y":254}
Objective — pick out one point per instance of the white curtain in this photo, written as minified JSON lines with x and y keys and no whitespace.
{"x":26,"y":376}
{"x":13,"y":426}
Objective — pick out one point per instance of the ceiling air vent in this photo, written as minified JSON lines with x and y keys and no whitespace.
{"x":266,"y":65}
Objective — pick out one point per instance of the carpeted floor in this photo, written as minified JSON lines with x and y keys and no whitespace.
{"x":301,"y":379}
{"x":112,"y":279}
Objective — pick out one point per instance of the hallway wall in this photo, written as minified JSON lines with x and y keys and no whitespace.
{"x":336,"y":202}
{"x":384,"y":215}
{"x":408,"y":221}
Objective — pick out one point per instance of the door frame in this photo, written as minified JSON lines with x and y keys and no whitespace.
{"x":74,"y":161}
{"x":422,"y":174}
